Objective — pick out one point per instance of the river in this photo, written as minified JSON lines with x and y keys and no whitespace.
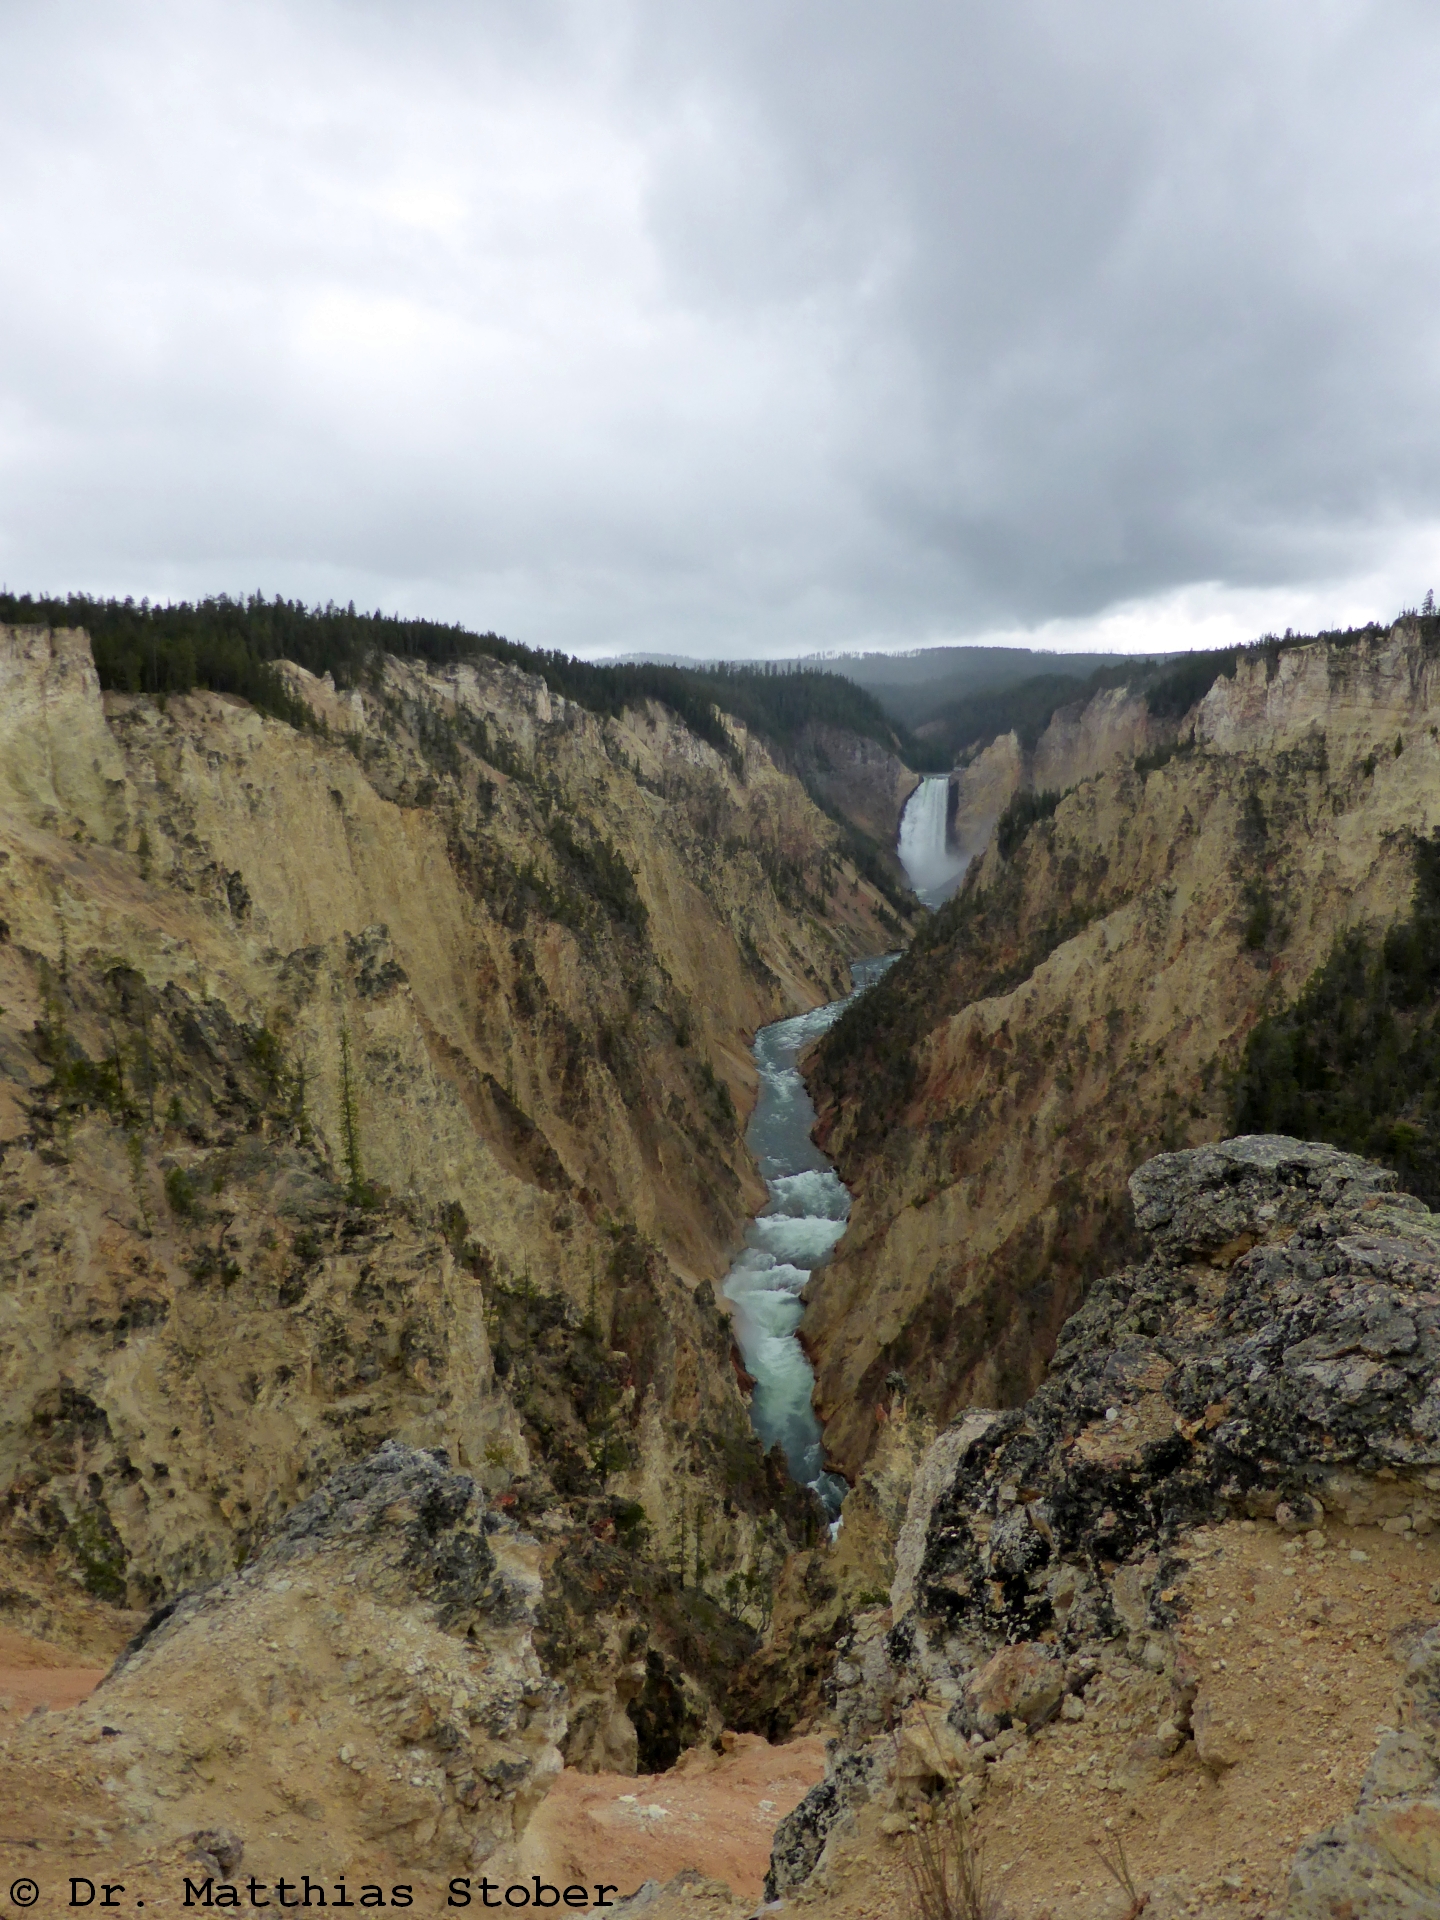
{"x":808,"y":1208}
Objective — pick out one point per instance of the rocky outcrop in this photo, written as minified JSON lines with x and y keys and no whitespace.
{"x":1083,"y":1000}
{"x":58,"y":761}
{"x":372,"y":1668}
{"x":826,"y":1813}
{"x":1283,"y":1380}
{"x":1275,"y":1357}
{"x":1361,"y":695}
{"x":1215,"y":1202}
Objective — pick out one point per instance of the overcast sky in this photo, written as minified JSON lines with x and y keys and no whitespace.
{"x":745,"y":326}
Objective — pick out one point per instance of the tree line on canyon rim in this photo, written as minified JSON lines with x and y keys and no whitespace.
{"x":231,"y":645}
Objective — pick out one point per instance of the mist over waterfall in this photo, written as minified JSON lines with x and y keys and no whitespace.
{"x":934,"y":868}
{"x":808,"y":1208}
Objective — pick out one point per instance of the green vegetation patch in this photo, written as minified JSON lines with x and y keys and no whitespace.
{"x":1021,"y":813}
{"x":98,"y":1548}
{"x":601,"y":872}
{"x":1356,"y":1060}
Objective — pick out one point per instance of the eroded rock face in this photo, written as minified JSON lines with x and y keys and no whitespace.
{"x":56,"y":755}
{"x":1276,"y":1356}
{"x":371,"y":1668}
{"x":862,"y":779}
{"x":1081,"y":740}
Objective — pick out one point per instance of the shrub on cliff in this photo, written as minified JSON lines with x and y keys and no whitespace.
{"x":1021,"y":813}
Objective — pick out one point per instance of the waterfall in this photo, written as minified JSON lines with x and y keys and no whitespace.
{"x":934,"y":869}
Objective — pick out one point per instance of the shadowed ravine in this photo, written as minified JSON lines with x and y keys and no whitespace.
{"x":808,"y":1209}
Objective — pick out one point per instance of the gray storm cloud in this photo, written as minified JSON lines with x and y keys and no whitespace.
{"x":725,"y":327}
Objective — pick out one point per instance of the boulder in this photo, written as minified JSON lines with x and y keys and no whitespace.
{"x":850,"y":1780}
{"x":371,"y":1670}
{"x":1021,"y":1683}
{"x":1206,"y":1200}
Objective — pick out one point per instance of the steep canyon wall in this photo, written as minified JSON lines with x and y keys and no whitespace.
{"x":387,"y":1081}
{"x":1084,"y":739}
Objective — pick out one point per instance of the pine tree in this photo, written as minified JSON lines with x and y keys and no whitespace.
{"x":350,"y":1124}
{"x":679,"y":1543}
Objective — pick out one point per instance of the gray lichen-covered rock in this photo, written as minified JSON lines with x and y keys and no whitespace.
{"x":1287,"y":1379}
{"x":1383,"y":1862}
{"x":1209,"y":1198}
{"x":385,"y":1633}
{"x":801,"y":1837}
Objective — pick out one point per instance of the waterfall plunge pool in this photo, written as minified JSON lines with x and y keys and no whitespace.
{"x":808,"y":1208}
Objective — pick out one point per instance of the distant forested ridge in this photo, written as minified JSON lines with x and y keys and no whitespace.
{"x":914,"y":687}
{"x":1170,"y":688}
{"x":232,"y":646}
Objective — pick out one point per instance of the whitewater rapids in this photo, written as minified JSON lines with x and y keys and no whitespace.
{"x":808,"y":1208}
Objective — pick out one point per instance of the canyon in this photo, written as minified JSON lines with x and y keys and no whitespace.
{"x":384,"y":1193}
